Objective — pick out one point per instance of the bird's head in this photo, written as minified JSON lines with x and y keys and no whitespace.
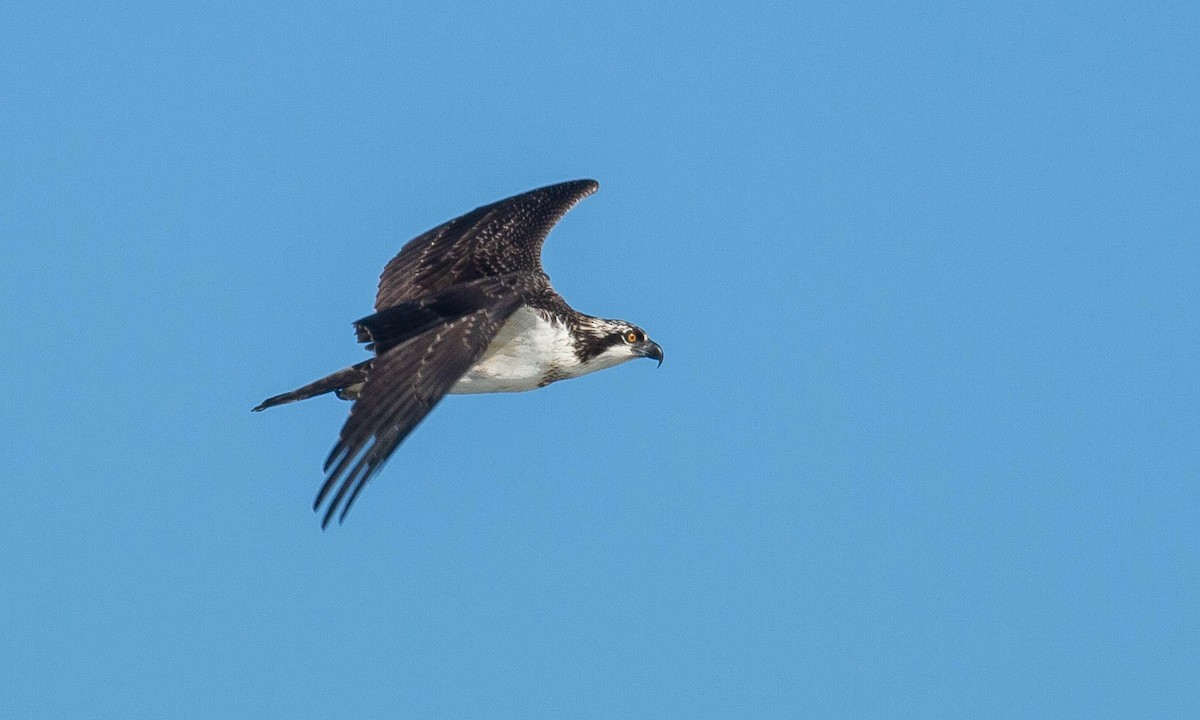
{"x":612,"y":342}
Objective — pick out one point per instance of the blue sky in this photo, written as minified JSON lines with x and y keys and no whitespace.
{"x":924,"y":443}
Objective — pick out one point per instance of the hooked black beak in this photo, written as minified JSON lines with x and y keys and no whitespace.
{"x":652,"y":350}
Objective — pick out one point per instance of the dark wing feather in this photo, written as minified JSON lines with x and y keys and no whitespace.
{"x":495,"y":239}
{"x":393,"y":325}
{"x":405,"y":383}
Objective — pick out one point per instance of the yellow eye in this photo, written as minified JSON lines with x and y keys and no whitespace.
{"x":631,"y":337}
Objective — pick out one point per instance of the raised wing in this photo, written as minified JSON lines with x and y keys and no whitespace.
{"x":504,"y":237}
{"x":405,"y":382}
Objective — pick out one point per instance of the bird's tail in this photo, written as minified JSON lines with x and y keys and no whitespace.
{"x":345,"y":382}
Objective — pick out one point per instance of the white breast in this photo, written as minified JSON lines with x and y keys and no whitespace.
{"x":527,"y":351}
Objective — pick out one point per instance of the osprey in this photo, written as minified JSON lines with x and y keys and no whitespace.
{"x":463,"y":308}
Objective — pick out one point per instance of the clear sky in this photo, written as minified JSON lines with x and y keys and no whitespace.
{"x":926,"y":442}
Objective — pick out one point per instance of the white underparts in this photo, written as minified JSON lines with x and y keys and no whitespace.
{"x":529,"y":351}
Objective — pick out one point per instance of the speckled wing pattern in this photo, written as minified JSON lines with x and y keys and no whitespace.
{"x":404,"y":384}
{"x":475,"y":270}
{"x":496,"y":239}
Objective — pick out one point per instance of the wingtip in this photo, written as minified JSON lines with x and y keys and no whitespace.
{"x":328,"y":513}
{"x":582,"y":186}
{"x":328,"y":516}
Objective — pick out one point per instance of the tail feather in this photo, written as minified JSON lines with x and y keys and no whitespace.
{"x":339,"y":382}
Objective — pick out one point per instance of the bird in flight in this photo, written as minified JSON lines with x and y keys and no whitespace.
{"x":463,"y":308}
